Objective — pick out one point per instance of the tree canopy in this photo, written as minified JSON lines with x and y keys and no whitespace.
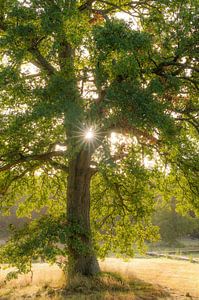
{"x":127,"y":73}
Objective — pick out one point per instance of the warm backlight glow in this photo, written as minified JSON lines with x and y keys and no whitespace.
{"x":89,"y":134}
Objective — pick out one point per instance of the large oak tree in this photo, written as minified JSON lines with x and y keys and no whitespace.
{"x":90,"y":98}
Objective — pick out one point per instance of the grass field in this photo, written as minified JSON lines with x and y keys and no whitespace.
{"x":132,"y":280}
{"x":180,"y":276}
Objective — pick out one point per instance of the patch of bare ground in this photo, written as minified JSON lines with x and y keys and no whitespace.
{"x":137,"y":279}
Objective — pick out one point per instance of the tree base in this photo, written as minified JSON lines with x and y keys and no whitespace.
{"x":83,"y":265}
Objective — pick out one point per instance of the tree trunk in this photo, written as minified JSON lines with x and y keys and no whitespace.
{"x":81,"y":258}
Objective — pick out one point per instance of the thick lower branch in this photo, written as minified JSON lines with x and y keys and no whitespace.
{"x":38,"y":157}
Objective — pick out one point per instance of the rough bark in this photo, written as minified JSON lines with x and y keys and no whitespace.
{"x":81,"y":259}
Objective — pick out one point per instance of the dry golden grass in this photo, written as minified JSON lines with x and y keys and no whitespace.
{"x":181,"y":276}
{"x":139,"y":279}
{"x":43,"y":276}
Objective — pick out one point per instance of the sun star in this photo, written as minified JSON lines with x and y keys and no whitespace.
{"x":89,"y":134}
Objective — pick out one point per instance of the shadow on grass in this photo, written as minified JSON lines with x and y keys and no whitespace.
{"x":106,"y":286}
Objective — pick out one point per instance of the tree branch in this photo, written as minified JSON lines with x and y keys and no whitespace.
{"x":160,"y":68}
{"x":38,"y":157}
{"x":124,"y":128}
{"x":4,"y":190}
{"x":41,"y":62}
{"x":115,"y":7}
{"x":58,"y":166}
{"x":86,"y":5}
{"x":194,"y":82}
{"x":190,"y":121}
